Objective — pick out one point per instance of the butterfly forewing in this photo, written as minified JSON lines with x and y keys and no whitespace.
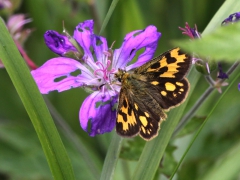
{"x":172,"y":64}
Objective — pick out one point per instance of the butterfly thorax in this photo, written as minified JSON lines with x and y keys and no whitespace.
{"x":123,"y":77}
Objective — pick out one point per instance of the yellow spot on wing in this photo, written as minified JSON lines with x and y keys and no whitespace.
{"x":131,"y":120}
{"x":169,"y":86}
{"x":179,"y":84}
{"x":120,"y":120}
{"x":136,"y":106}
{"x":164,"y":62}
{"x":146,"y":114}
{"x":168,"y":75}
{"x":154,"y":83}
{"x":164,"y":93}
{"x":180,"y":58}
{"x":143,"y":129}
{"x":181,"y":89}
{"x":143,"y":120}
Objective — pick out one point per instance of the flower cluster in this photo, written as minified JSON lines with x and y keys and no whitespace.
{"x":87,"y":61}
{"x":204,"y":66}
{"x":15,"y":24}
{"x":201,"y":65}
{"x":191,"y":32}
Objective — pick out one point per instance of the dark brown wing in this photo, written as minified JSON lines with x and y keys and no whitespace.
{"x":173,"y":64}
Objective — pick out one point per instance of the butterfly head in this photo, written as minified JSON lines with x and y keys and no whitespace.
{"x":119,"y":75}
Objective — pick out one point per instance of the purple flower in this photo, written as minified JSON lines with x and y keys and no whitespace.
{"x":191,"y":32}
{"x":5,"y":4}
{"x":232,"y":18}
{"x":221,"y":74}
{"x":58,"y":43}
{"x":95,"y":70}
{"x":15,"y":26}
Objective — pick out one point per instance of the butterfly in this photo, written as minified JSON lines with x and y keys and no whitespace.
{"x":150,"y":90}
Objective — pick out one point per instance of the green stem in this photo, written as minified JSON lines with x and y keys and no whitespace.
{"x":210,"y":80}
{"x":72,"y":137}
{"x":111,"y":158}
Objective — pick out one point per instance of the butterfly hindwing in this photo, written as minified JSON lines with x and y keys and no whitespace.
{"x":138,"y":111}
{"x":127,"y":124}
{"x":171,"y":93}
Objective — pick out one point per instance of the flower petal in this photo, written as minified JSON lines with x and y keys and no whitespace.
{"x":83,"y":35}
{"x":98,"y":110}
{"x":55,"y":74}
{"x":58,"y":43}
{"x":232,"y":18}
{"x":100,"y":47}
{"x":147,"y":38}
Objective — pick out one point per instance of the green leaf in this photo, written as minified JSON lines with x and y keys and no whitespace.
{"x":222,"y":44}
{"x":110,"y":161}
{"x":226,"y":167}
{"x":18,"y":71}
{"x":21,"y":154}
{"x":132,"y":148}
{"x":191,"y":126}
{"x":169,"y":162}
{"x":22,"y":157}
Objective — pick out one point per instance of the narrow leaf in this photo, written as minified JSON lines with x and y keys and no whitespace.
{"x":32,"y":100}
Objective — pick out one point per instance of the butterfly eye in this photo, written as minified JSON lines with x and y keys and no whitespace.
{"x":119,"y":79}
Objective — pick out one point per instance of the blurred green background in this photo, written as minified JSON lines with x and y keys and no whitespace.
{"x":217,"y":146}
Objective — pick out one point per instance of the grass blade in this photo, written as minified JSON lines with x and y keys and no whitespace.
{"x":32,"y":100}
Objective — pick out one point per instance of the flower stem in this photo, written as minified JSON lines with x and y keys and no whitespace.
{"x":210,"y":80}
{"x":111,"y":157}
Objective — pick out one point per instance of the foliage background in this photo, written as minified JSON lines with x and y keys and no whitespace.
{"x":21,"y":156}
